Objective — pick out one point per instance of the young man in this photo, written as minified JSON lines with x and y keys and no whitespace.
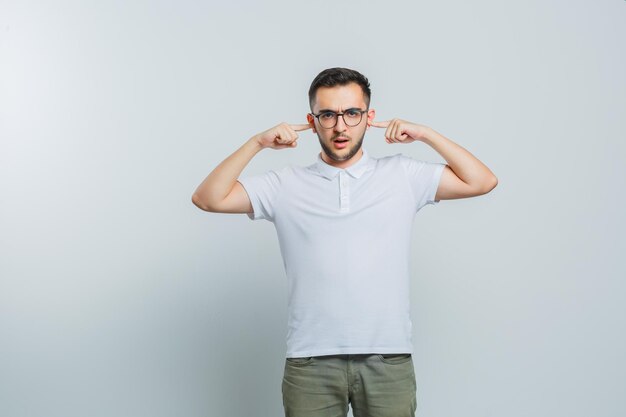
{"x":344,"y":228}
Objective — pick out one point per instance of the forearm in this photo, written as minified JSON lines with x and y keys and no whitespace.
{"x":219,"y":183}
{"x":465,"y":165}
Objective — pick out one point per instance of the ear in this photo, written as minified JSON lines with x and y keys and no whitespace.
{"x":311,"y":121}
{"x":371,"y":114}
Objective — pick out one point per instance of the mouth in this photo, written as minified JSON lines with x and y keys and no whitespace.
{"x":340,"y":142}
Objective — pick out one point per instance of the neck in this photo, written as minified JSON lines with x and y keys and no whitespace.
{"x":342,"y":164}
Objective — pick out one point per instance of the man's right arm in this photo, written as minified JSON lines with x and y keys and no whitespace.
{"x":220,"y":192}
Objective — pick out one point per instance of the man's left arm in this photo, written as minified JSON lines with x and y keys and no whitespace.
{"x":464,"y":175}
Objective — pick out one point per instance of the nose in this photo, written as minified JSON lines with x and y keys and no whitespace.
{"x":341,"y":124}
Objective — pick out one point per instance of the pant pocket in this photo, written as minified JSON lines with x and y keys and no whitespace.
{"x":395,"y":358}
{"x":305,"y":360}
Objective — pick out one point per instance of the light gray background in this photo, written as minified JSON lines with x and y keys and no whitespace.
{"x":118,"y":297}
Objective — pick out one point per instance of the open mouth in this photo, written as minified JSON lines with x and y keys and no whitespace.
{"x":340,"y":143}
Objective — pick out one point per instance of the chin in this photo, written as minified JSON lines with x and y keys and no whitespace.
{"x":340,"y":157}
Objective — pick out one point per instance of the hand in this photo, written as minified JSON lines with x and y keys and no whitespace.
{"x":280,"y":136}
{"x":401,"y":131}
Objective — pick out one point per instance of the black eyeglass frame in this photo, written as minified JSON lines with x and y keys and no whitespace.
{"x":317,"y":116}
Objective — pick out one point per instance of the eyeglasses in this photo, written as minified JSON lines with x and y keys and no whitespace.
{"x":351,"y":117}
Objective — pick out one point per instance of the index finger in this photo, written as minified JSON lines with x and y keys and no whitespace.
{"x":380,"y":124}
{"x":301,"y":127}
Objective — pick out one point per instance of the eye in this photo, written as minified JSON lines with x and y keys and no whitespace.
{"x":327,"y":115}
{"x":353,"y":113}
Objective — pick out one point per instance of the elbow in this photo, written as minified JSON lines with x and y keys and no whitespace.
{"x":494,"y":182}
{"x":485,"y":186}
{"x":491,"y":184}
{"x":197,"y":201}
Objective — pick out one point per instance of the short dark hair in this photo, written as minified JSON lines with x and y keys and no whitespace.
{"x":332,"y":77}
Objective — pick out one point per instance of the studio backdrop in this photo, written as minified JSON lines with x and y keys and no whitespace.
{"x":120,"y":298}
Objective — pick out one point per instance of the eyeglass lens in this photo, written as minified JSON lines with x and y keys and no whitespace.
{"x":351,"y":117}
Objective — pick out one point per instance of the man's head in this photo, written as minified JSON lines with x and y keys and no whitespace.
{"x":332,"y":77}
{"x":340,"y":91}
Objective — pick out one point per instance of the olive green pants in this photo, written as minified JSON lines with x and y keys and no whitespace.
{"x":375,"y":385}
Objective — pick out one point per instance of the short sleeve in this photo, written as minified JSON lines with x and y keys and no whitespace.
{"x":262,"y":190}
{"x":423,"y":179}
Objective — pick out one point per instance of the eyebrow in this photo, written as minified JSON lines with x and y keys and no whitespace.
{"x":351,"y":108}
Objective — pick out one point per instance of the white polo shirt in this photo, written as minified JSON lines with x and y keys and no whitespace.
{"x":344,"y":236}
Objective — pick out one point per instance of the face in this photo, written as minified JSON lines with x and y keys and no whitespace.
{"x":341,"y":145}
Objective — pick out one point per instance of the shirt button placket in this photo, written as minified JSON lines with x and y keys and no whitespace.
{"x":344,"y":192}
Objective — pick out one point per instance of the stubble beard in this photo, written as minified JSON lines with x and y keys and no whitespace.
{"x":334,"y":155}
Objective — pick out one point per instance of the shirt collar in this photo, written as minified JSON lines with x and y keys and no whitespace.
{"x":355,"y":170}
